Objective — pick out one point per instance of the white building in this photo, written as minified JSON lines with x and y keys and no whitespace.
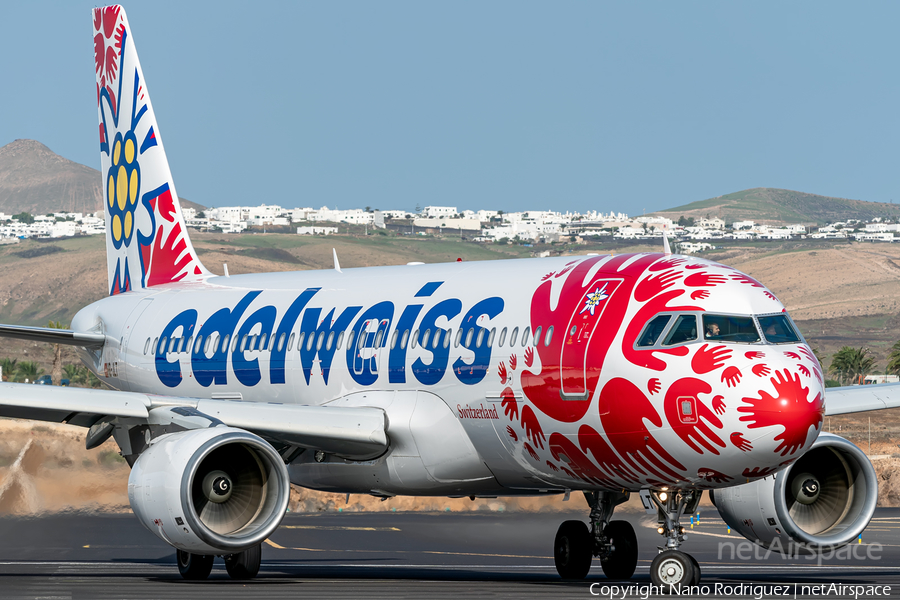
{"x":313,"y":230}
{"x":437,"y":212}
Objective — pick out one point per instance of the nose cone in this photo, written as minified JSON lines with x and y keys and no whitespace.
{"x":791,"y":399}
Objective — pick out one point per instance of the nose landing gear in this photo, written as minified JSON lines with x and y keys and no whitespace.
{"x":672,"y":567}
{"x":613,"y":542}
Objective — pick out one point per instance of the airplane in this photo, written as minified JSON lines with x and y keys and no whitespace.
{"x":651,"y":373}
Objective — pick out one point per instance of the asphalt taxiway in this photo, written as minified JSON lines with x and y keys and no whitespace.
{"x":415,"y":555}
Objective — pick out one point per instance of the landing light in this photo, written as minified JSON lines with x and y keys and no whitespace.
{"x":663,"y":496}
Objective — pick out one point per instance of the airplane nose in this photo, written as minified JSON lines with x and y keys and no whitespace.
{"x":789,"y":399}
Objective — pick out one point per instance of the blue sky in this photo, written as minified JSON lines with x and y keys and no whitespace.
{"x":505,"y":105}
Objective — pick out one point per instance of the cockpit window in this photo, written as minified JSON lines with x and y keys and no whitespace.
{"x":727,"y":328}
{"x":653,"y":330}
{"x":684,"y":330}
{"x":778,"y":330}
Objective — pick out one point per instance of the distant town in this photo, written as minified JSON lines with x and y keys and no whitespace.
{"x":476,"y":226}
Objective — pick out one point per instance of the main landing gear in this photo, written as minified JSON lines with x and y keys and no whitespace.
{"x":243,"y":565}
{"x":672,"y":567}
{"x":613,"y":542}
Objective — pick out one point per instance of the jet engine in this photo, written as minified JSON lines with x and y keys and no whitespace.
{"x":822,"y":501}
{"x":219,"y":490}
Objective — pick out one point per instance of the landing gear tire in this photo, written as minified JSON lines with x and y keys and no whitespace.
{"x":244,"y":565}
{"x":622,"y":561}
{"x":696,"y":579}
{"x":573,"y":550}
{"x":194,"y":567}
{"x":672,"y":568}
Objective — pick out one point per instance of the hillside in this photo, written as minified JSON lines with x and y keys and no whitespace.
{"x":772,"y":205}
{"x":34,"y":179}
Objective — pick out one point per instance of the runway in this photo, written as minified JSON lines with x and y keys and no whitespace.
{"x":411,"y":555}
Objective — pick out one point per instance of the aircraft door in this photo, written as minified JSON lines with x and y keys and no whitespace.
{"x":132,"y":353}
{"x":370,"y":347}
{"x":582,"y":326}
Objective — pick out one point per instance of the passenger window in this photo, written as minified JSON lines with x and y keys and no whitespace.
{"x":447,"y":338}
{"x":310,"y":340}
{"x":537,"y":336}
{"x":262,"y":341}
{"x":340,"y":340}
{"x":234,"y":344}
{"x":198,"y":344}
{"x":225,"y":342}
{"x":281,"y":341}
{"x":320,"y":341}
{"x":525,"y":336}
{"x":147,"y":346}
{"x":300,"y":340}
{"x":459,"y":333}
{"x":412,"y":341}
{"x":490,"y":341}
{"x":244,"y":342}
{"x":350,"y":337}
{"x":253,"y":340}
{"x":404,"y":339}
{"x":394,"y":337}
{"x":330,"y":341}
{"x":549,"y":336}
{"x":778,"y":330}
{"x":378,"y":337}
{"x":436,"y":339}
{"x":513,"y":336}
{"x":684,"y":330}
{"x":469,"y":335}
{"x":181,"y":345}
{"x":290,"y":342}
{"x":653,"y":330}
{"x":502,"y":337}
{"x":362,"y":338}
{"x":155,"y":345}
{"x":189,"y":344}
{"x":728,"y":328}
{"x":425,"y":337}
{"x":480,"y":338}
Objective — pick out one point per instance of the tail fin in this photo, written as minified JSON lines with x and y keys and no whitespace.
{"x":146,"y":237}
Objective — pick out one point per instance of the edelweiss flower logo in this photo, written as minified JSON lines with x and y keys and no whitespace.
{"x":594,"y":299}
{"x":124,"y":183}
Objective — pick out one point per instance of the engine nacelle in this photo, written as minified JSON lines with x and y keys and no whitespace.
{"x":824,"y":500}
{"x":210,"y":491}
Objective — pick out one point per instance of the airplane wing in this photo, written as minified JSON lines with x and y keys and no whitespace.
{"x":54,"y":336}
{"x":339,"y":430}
{"x":861,"y":398}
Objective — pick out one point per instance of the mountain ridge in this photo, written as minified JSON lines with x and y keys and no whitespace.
{"x":780,"y":206}
{"x":35,"y":179}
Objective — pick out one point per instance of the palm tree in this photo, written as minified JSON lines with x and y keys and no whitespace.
{"x":28,"y":371}
{"x":56,"y":371}
{"x":852,"y":364}
{"x":893,"y":365}
{"x":8,"y":366}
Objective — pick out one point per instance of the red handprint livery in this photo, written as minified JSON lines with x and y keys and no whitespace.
{"x":619,"y":398}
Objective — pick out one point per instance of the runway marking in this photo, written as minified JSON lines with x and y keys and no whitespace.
{"x":339,"y":528}
{"x":280,"y":547}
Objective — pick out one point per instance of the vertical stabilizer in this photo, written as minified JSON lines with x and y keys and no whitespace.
{"x":146,"y":237}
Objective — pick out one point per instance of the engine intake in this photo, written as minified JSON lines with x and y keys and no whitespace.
{"x":210,"y":491}
{"x":824,"y":500}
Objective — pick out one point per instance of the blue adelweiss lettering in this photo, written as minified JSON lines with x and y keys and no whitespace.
{"x":365,"y":334}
